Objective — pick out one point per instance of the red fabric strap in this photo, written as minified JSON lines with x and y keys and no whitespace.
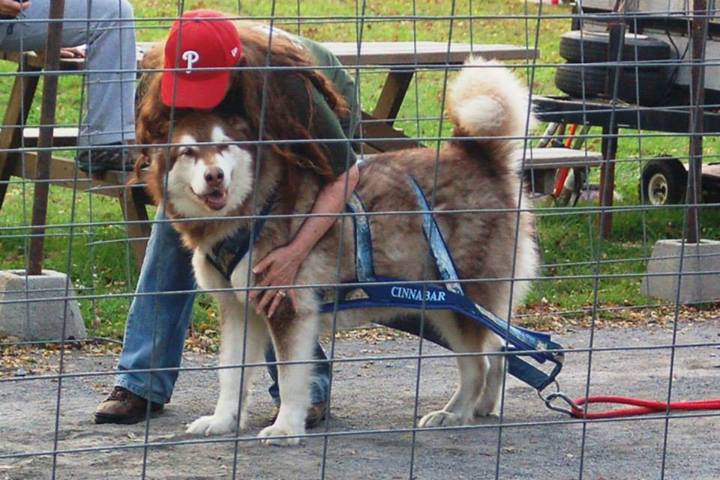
{"x":638,"y":406}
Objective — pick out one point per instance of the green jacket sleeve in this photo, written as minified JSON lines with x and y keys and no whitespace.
{"x":324,"y":124}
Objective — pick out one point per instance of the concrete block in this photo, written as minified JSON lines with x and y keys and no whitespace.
{"x":43,"y":319}
{"x":700,"y":271}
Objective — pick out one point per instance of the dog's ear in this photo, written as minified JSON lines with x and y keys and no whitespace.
{"x":154,"y":176}
{"x":142,"y":161}
{"x":140,"y":169}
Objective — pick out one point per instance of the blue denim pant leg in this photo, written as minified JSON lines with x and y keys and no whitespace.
{"x":320,"y":385}
{"x":107,"y":28}
{"x":157,"y":324}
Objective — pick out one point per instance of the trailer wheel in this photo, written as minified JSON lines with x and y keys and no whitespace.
{"x":663,"y":181}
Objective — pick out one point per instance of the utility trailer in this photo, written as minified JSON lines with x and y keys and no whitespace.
{"x":654,"y":82}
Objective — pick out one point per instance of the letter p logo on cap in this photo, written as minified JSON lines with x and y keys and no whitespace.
{"x":191,"y":57}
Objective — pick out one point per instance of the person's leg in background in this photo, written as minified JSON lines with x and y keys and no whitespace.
{"x":156,"y":329}
{"x":112,"y":51}
{"x":319,"y":388}
{"x":107,"y":28}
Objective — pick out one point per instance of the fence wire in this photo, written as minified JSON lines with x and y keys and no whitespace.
{"x":622,"y":187}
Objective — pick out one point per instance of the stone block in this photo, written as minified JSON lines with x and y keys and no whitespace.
{"x":42,"y":319}
{"x":700,"y":271}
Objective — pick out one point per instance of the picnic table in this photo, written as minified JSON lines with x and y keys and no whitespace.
{"x":400,"y":60}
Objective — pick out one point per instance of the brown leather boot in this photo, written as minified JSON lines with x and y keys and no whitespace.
{"x":123,"y":406}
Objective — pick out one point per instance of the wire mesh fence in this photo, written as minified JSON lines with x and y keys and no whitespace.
{"x":596,"y":225}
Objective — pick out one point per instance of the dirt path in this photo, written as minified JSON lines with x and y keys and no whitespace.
{"x":380,"y":395}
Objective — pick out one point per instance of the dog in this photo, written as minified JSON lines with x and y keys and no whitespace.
{"x":212,"y":172}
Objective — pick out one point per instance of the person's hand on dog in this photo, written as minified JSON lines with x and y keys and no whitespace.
{"x":12,"y":8}
{"x":279,"y":267}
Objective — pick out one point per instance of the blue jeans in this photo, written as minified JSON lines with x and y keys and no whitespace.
{"x":106,"y":26}
{"x":157,"y":324}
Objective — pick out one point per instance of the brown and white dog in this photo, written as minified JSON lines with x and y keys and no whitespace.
{"x":211,"y":173}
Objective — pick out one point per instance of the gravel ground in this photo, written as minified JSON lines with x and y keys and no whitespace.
{"x":534,"y":443}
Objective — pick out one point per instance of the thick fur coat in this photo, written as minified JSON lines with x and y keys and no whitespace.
{"x":490,"y":239}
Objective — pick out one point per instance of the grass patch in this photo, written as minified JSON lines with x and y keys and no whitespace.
{"x":577,"y":262}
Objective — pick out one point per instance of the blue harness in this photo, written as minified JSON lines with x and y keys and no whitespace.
{"x":449,"y":295}
{"x":393,"y":293}
{"x":230,"y":251}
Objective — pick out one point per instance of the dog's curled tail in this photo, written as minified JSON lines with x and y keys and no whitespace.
{"x":486,"y":100}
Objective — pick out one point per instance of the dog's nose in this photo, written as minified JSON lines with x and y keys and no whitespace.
{"x":214,"y":176}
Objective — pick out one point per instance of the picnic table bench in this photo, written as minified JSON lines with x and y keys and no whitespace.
{"x":401,"y":60}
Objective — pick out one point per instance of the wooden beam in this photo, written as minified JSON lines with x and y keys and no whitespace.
{"x":392,"y":95}
{"x":134,"y":207}
{"x":16,"y":113}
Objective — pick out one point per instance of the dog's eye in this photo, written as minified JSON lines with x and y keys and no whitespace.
{"x":185,"y":150}
{"x":223,"y":147}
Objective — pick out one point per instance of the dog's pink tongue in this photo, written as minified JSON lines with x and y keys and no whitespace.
{"x":215,"y":200}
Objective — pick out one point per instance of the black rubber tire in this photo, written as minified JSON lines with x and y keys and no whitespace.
{"x":576,"y":80}
{"x":595,"y":47}
{"x":663,"y":181}
{"x":654,"y":82}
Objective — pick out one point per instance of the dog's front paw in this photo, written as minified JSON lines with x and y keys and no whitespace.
{"x":212,"y":425}
{"x":441,"y":418}
{"x":487,"y":409}
{"x":280,"y":431}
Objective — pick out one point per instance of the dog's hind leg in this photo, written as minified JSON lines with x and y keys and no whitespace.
{"x":488,"y":403}
{"x":294,"y":338}
{"x":233,"y":340}
{"x":472,"y":369}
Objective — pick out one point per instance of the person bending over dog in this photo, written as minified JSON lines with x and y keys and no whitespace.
{"x":277,"y":105}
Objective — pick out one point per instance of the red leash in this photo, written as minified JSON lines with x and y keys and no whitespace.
{"x":638,"y":406}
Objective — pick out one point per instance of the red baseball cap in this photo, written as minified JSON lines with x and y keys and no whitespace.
{"x":198,"y":40}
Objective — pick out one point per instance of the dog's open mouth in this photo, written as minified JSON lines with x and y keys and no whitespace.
{"x":215,"y":199}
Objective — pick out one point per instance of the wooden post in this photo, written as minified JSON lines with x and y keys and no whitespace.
{"x":610,"y":131}
{"x":47,"y":122}
{"x":697,"y":100}
{"x":608,"y":147}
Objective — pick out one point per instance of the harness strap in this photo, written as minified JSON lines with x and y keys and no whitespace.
{"x":514,"y":336}
{"x":386,"y":292}
{"x":438,"y":247}
{"x":229,"y":252}
{"x":364,"y":269}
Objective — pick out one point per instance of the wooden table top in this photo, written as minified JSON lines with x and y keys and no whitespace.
{"x":423,"y":53}
{"x":371,"y":53}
